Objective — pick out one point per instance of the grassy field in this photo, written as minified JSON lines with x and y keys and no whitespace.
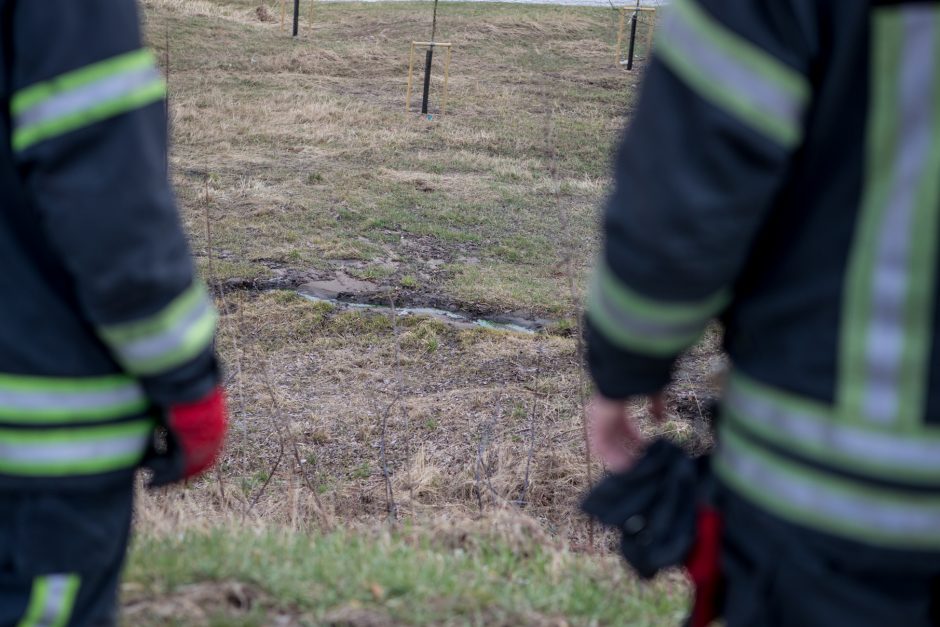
{"x":385,"y":469}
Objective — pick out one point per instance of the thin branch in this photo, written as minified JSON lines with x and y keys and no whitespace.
{"x":290,"y":439}
{"x":699,"y":422}
{"x":390,"y":504}
{"x":533,"y":414}
{"x":478,"y":467}
{"x":569,"y":266}
{"x":166,"y":102}
{"x":277,"y":463}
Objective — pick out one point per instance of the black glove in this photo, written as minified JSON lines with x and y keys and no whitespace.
{"x":653,"y":505}
{"x":164,"y":458}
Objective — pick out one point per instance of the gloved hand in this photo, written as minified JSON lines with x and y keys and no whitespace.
{"x":195,"y":433}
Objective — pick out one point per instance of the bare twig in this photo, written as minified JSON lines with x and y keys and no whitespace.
{"x":277,"y":463}
{"x":290,"y":439}
{"x":569,"y":266}
{"x":533,"y":421}
{"x":209,"y":267}
{"x":218,"y":467}
{"x":390,"y":504}
{"x":482,"y":474}
{"x":478,"y":468}
{"x":699,"y":422}
{"x":166,"y":102}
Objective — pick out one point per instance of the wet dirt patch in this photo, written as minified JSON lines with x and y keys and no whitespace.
{"x":347,"y":292}
{"x":196,"y":604}
{"x":341,"y":286}
{"x":354,"y":615}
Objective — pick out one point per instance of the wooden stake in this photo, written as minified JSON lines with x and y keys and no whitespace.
{"x":620,"y":35}
{"x":411,"y":67}
{"x":446,"y":77}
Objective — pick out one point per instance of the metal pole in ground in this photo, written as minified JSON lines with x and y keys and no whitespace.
{"x":427,"y":79}
{"x":632,"y":36}
{"x":427,"y":62}
{"x":296,"y":16}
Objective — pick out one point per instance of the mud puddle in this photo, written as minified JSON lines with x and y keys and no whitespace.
{"x":347,"y":292}
{"x":449,"y":317}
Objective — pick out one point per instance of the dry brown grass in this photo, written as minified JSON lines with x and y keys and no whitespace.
{"x":458,"y":440}
{"x":312,"y":168}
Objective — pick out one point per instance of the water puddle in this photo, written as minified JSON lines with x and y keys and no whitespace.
{"x":459,"y":320}
{"x":347,"y":292}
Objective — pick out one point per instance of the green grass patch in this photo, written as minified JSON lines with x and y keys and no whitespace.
{"x":407,"y":577}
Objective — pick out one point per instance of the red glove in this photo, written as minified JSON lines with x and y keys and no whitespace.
{"x":704,"y":568}
{"x":199,"y":428}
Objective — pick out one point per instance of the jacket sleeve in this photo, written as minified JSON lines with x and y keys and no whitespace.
{"x":721,"y":112}
{"x":89,"y":138}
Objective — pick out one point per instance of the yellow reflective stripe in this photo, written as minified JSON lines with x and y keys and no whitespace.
{"x":52,"y":601}
{"x":84,"y":96}
{"x":74,"y":450}
{"x":36,"y":400}
{"x":889,"y":297}
{"x":638,"y":323}
{"x":818,"y":432}
{"x":814,"y":498}
{"x":734,"y":74}
{"x":167,"y":339}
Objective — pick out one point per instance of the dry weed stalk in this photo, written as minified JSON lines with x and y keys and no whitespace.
{"x":166,"y":104}
{"x":533,"y":422}
{"x":699,"y":422}
{"x":211,"y":272}
{"x":277,"y":418}
{"x":483,"y":475}
{"x":568,"y":263}
{"x":390,"y":505}
{"x":270,"y":475}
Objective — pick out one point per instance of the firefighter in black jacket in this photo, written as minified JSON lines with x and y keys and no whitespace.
{"x":104,"y":331}
{"x":782,"y":173}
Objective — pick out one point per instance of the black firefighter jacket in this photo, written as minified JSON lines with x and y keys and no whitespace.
{"x":781,"y":172}
{"x":101,"y":319}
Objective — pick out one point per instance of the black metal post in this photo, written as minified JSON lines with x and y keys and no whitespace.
{"x":296,"y":16}
{"x":632,"y":41}
{"x":427,"y":79}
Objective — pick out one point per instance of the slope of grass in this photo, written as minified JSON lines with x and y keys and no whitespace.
{"x":381,"y":578}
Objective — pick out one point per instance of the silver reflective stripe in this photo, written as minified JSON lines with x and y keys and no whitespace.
{"x":88,"y":96}
{"x":166,"y":341}
{"x":853,"y":510}
{"x":57,"y":596}
{"x":51,"y":601}
{"x":728,"y":72}
{"x":826,"y":437}
{"x":885,"y":336}
{"x":68,"y":452}
{"x":24,"y":402}
{"x":647,"y":327}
